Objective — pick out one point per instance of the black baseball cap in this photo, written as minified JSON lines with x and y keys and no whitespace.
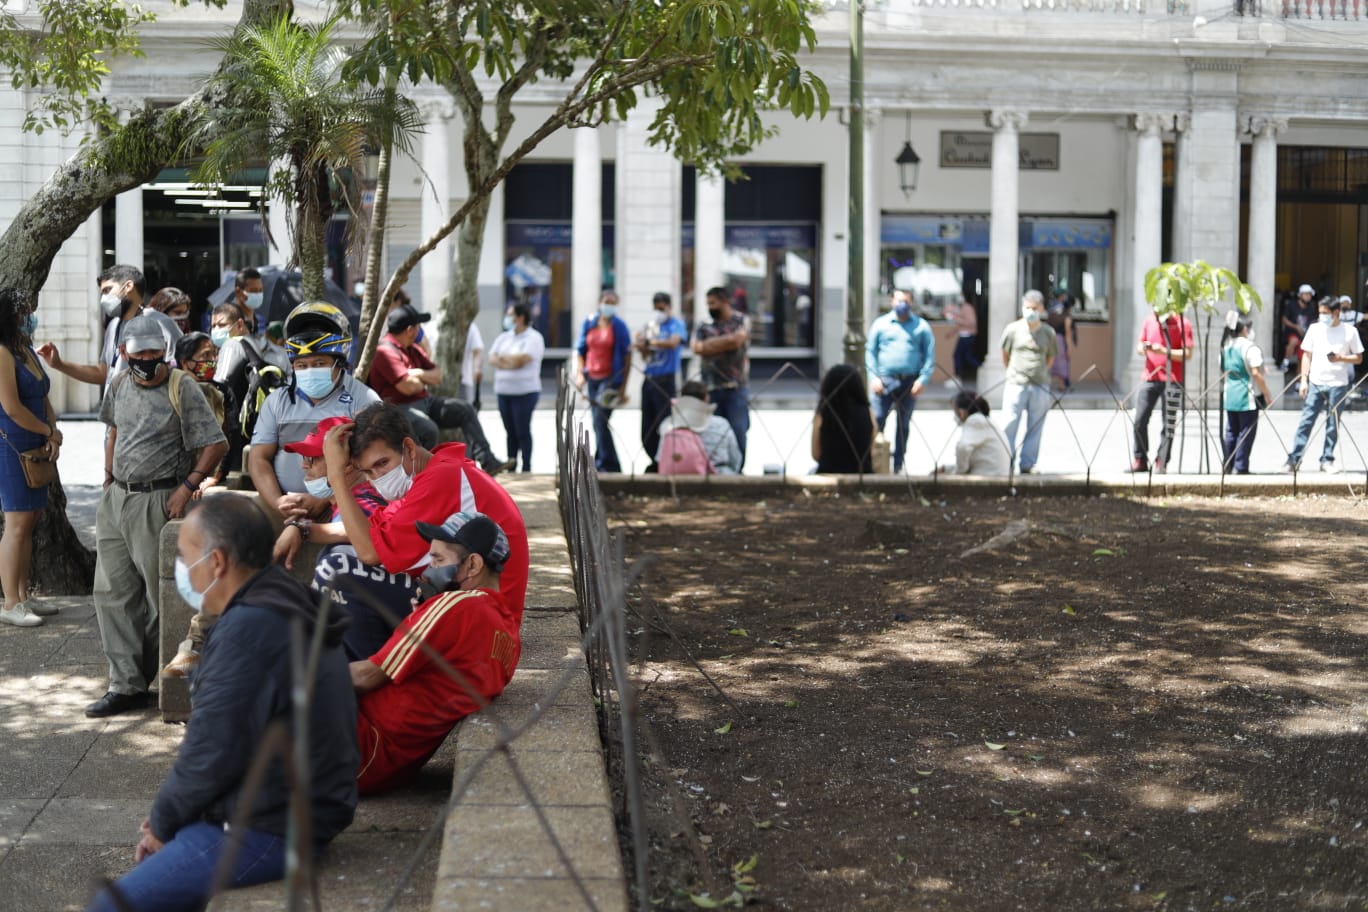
{"x":404,"y":316}
{"x":475,"y":532}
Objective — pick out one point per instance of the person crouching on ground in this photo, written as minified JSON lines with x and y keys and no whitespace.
{"x":242,"y":695}
{"x":409,"y":701}
{"x":980,"y":449}
{"x":712,"y":437}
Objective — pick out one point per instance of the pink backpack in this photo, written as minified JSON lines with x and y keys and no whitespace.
{"x":682,"y":453}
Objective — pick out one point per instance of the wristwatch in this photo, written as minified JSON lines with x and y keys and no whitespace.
{"x":303,"y":525}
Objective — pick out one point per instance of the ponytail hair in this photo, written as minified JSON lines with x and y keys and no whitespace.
{"x":1236,"y":324}
{"x":971,"y":403}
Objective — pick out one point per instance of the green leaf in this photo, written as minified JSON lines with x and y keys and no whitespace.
{"x":791,"y":704}
{"x":924,"y":772}
{"x":993,"y":746}
{"x":703,"y":901}
{"x":745,"y":867}
{"x":738,"y":632}
{"x":725,"y":729}
{"x":1069,"y":609}
{"x":1103,"y":552}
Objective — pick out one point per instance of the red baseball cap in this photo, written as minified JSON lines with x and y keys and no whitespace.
{"x":312,"y":446}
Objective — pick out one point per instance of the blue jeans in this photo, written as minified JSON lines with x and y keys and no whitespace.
{"x":516,"y":412}
{"x":179,"y":877}
{"x":605,"y":453}
{"x":734,"y":405}
{"x":897,"y":395}
{"x":1331,"y":399}
{"x":656,"y":392}
{"x":1034,"y":401}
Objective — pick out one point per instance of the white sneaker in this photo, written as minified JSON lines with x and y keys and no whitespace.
{"x":20,"y":616}
{"x":1329,"y":467}
{"x":42,"y":609}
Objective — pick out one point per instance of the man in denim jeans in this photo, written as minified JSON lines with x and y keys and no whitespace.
{"x":1028,"y":350}
{"x":1327,"y":355}
{"x":899,"y":357}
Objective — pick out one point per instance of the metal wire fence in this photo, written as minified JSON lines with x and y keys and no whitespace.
{"x":1097,"y":438}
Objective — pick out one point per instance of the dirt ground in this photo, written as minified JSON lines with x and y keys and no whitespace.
{"x":1134,"y":705}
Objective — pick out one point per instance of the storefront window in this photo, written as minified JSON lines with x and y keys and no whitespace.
{"x":770,"y":272}
{"x":537,"y":273}
{"x":1074,"y":256}
{"x":924,"y":256}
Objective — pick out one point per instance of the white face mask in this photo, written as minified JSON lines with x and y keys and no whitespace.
{"x":111,"y":304}
{"x":1250,"y":335}
{"x":395,"y":483}
{"x":187,"y":589}
{"x":1031,"y":314}
{"x":319,"y":487}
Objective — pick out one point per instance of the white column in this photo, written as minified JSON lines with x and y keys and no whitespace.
{"x":874,"y":153}
{"x":128,"y":207}
{"x":1181,"y":233}
{"x":1263,"y":205}
{"x":278,"y":218}
{"x":586,"y":226}
{"x":1147,"y":230}
{"x":1003,"y":293}
{"x":436,"y":200}
{"x":710,"y":232}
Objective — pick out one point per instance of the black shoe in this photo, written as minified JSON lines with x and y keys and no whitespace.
{"x":494,"y":466}
{"x":111,"y":704}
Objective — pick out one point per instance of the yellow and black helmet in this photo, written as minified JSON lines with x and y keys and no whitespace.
{"x":317,"y":328}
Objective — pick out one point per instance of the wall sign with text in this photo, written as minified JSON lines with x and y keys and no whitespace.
{"x":974,"y":149}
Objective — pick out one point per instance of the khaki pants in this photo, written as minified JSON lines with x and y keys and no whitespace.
{"x":127,"y":550}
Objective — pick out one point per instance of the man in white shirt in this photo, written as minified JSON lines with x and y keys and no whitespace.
{"x":1328,"y":353}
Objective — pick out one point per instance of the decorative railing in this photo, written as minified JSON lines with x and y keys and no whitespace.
{"x":1123,"y":7}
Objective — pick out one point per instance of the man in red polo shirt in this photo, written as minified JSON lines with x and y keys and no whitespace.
{"x":1162,"y":346}
{"x":421,"y":486}
{"x":402,"y":373}
{"x":407,"y":701}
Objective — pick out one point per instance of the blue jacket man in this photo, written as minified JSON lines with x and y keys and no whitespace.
{"x":603,"y":356}
{"x":660,"y":344}
{"x":900,"y":355}
{"x":242,"y":693}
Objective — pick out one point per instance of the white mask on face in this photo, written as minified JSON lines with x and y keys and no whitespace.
{"x":395,"y":483}
{"x":111,"y":304}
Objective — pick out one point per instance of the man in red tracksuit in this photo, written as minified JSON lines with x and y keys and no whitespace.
{"x":421,"y":486}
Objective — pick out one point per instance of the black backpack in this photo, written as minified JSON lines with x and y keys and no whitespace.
{"x":262,"y":378}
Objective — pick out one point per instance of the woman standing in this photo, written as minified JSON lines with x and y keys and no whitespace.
{"x":197,"y":355}
{"x":1060,"y":317}
{"x":23,"y":398}
{"x":1243,"y":365}
{"x":516,"y":357}
{"x":843,"y":429}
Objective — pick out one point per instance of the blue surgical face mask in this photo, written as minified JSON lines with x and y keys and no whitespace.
{"x":30,"y":325}
{"x":507,"y":323}
{"x":187,"y":589}
{"x":1031,"y":314}
{"x":902,"y":310}
{"x":608,"y":310}
{"x":315,"y":382}
{"x":319,"y":487}
{"x":218,"y":335}
{"x":1327,"y":319}
{"x":254,"y":299}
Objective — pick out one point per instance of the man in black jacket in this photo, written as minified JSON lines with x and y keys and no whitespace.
{"x":241,"y":705}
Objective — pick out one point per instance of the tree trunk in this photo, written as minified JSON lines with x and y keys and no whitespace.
{"x":463,"y":297}
{"x":370,"y":301}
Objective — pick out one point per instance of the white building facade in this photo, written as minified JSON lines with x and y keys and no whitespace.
{"x":1070,"y":144}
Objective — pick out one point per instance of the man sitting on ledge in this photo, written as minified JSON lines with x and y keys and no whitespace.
{"x":421,"y":486}
{"x":242,"y":693}
{"x":448,"y":659}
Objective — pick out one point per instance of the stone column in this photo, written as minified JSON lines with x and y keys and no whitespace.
{"x":710,"y":231}
{"x":1147,"y":228}
{"x":874,"y":156}
{"x":1004,"y":297}
{"x":279,"y":219}
{"x":586,"y":227}
{"x":1181,"y":228}
{"x":1263,"y":206}
{"x":436,"y":201}
{"x":128,"y":211}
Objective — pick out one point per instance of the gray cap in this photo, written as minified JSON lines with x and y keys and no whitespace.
{"x":143,"y":334}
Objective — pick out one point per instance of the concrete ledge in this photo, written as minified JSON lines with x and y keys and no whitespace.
{"x":1123,"y":484}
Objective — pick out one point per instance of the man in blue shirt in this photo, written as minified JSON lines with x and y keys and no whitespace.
{"x":900,"y":354}
{"x":659,"y":344}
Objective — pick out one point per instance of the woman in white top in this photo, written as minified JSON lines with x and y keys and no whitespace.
{"x":980,"y":449}
{"x":516,"y":357}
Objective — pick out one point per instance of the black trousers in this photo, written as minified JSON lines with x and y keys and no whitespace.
{"x":656,"y":393}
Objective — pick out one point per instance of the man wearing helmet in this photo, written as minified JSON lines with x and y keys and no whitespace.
{"x":318,"y":338}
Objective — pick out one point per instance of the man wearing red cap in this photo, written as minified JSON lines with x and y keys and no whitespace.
{"x":373,"y":598}
{"x":409,"y":702}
